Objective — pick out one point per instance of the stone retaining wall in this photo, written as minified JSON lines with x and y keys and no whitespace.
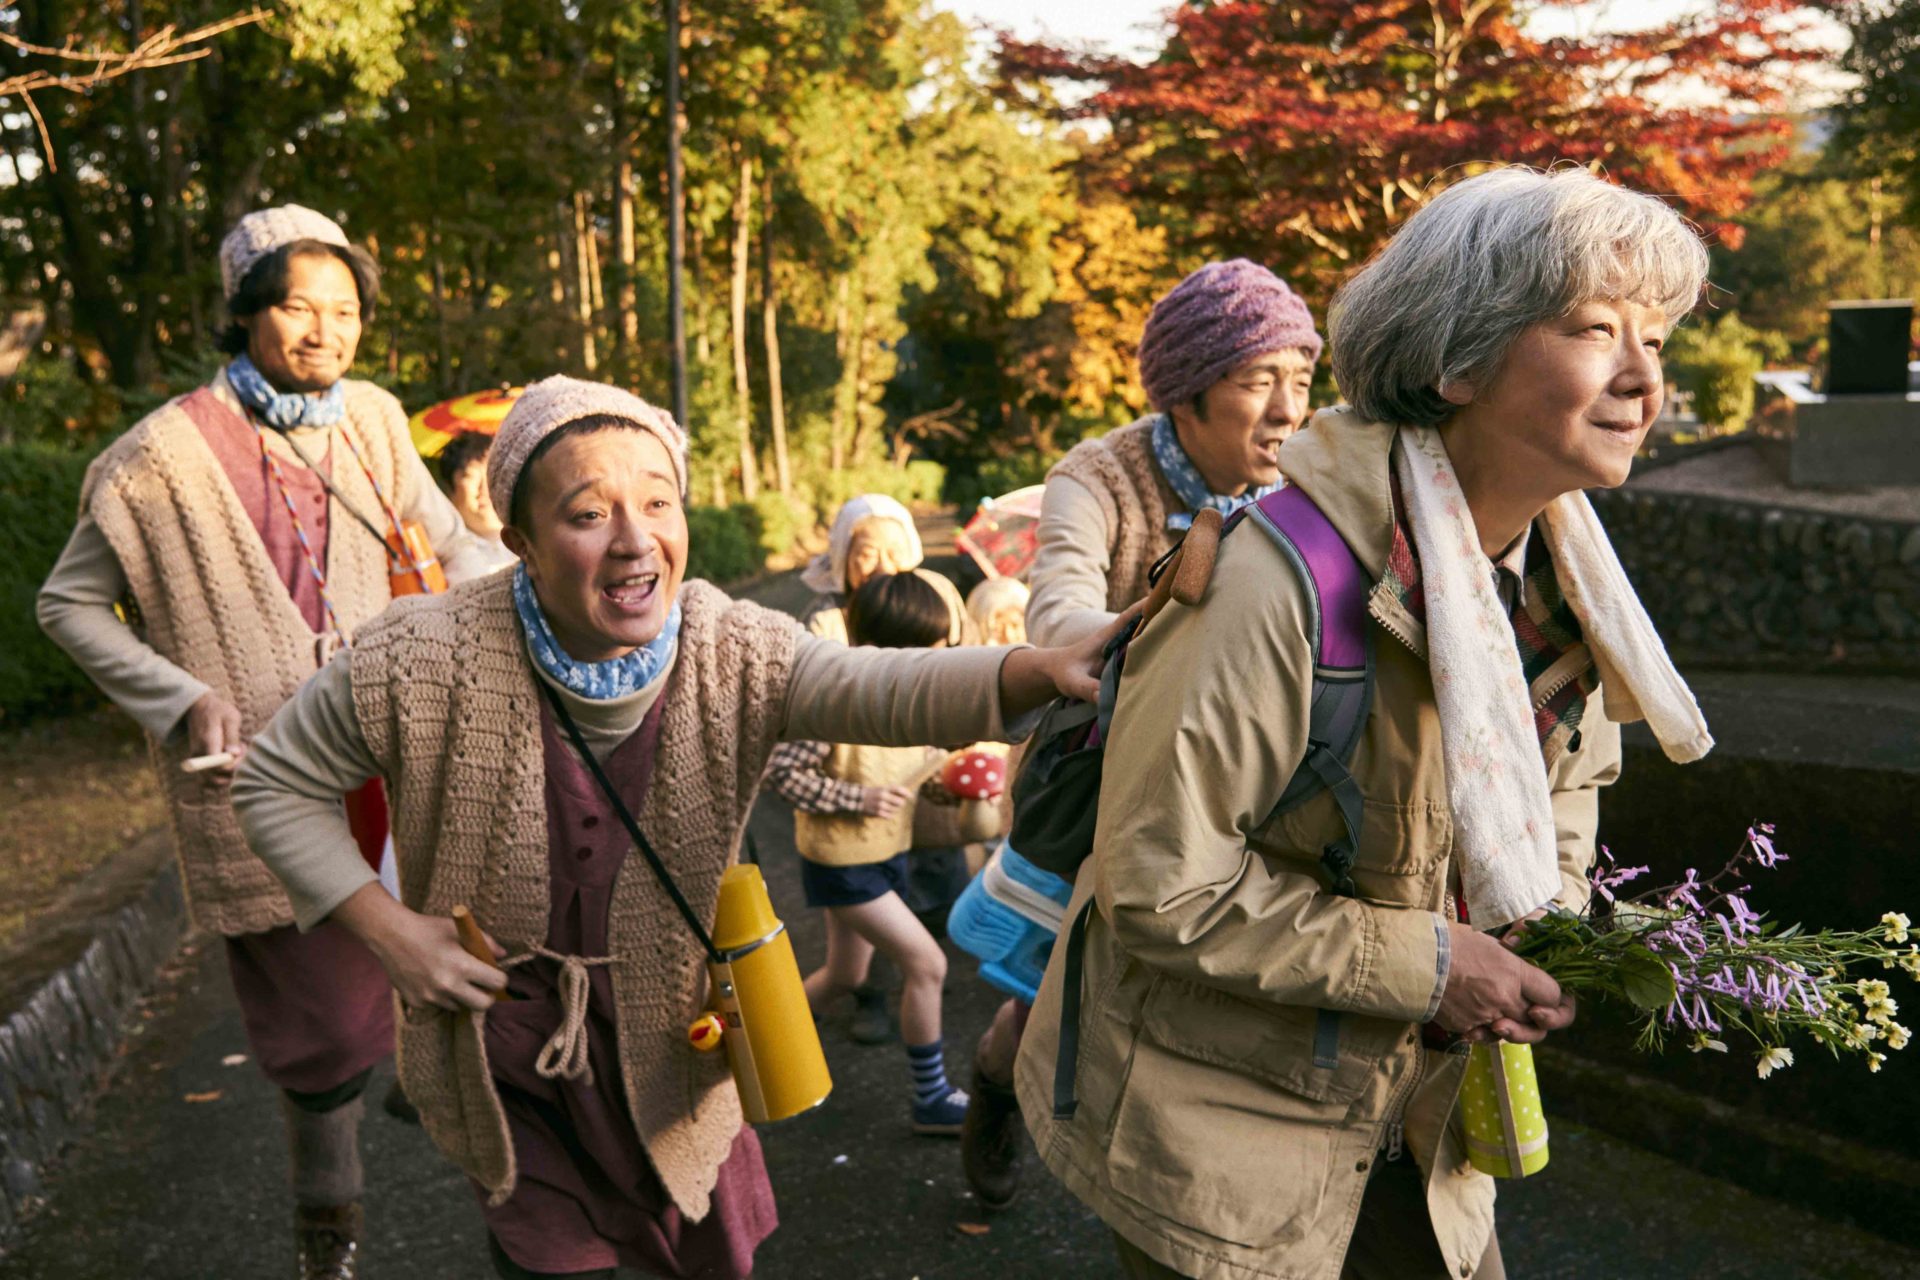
{"x":1737,"y":584}
{"x":57,"y":1045}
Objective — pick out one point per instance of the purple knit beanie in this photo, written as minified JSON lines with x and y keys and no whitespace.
{"x":1218,"y":318}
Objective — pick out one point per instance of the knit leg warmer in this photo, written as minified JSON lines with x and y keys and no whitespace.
{"x":325,"y":1147}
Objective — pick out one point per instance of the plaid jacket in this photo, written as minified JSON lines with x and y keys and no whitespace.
{"x":1554,"y":657}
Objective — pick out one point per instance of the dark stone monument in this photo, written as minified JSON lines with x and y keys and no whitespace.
{"x":1865,"y":430}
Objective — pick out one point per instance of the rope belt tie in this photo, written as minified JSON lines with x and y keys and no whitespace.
{"x":564,"y":1056}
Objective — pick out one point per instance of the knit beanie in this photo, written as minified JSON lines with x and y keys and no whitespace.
{"x":264,"y":230}
{"x":1215,"y":320}
{"x":552,"y":403}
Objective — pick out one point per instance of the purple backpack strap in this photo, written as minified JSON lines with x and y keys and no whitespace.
{"x":1337,"y":589}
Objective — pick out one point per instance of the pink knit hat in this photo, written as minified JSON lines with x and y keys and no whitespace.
{"x":264,"y":230}
{"x":1215,"y":320}
{"x":552,"y":403}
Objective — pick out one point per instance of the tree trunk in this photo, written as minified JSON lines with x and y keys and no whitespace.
{"x":676,"y":220}
{"x":742,"y":393}
{"x":583,"y":282}
{"x":837,"y":425}
{"x":702,"y":304}
{"x":626,"y":290}
{"x":770,"y":332}
{"x":590,"y":245}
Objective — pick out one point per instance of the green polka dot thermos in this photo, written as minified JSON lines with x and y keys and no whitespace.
{"x":1500,"y":1107}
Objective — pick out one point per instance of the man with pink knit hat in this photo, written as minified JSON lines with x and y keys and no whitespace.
{"x":1227,"y":359}
{"x":247,"y":522}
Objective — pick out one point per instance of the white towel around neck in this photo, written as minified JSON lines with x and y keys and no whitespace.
{"x":1496,"y":777}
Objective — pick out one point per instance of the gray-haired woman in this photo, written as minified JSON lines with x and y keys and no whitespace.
{"x":1501,"y":354}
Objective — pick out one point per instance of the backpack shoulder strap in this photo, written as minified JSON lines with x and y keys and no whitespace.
{"x":1336,"y":589}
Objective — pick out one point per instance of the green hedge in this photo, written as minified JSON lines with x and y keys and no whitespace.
{"x":39,"y":497}
{"x":724,"y":543}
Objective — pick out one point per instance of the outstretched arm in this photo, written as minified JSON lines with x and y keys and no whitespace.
{"x":905,"y":697}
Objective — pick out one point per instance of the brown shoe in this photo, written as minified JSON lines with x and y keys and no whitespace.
{"x":328,"y":1241}
{"x":992,"y":1146}
{"x":399,"y":1106}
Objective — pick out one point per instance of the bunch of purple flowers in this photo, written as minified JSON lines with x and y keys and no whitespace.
{"x":1697,"y":961}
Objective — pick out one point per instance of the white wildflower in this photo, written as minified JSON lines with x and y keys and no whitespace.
{"x":1774,"y":1059}
{"x":1897,"y":1036}
{"x":1897,"y":926}
{"x":1874,"y":1060}
{"x":1702,"y":1041}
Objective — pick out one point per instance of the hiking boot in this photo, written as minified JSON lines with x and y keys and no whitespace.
{"x":399,"y":1106}
{"x":942,"y":1117}
{"x":991,"y":1144}
{"x":327,"y":1241}
{"x":870,"y":1024}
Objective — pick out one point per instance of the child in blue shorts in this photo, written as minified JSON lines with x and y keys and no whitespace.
{"x":853,"y":823}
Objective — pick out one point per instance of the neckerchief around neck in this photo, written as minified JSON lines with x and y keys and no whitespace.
{"x":280,"y":410}
{"x":1189,"y":486}
{"x":598,"y":681}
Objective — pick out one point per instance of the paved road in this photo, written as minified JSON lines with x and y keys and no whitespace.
{"x":183,"y":1176}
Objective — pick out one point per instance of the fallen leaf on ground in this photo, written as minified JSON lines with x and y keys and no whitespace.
{"x":972,"y":1228}
{"x":210,"y":1095}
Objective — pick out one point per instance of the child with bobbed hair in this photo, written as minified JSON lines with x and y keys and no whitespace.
{"x":853,"y":825}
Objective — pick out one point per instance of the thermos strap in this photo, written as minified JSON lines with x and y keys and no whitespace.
{"x":640,"y":840}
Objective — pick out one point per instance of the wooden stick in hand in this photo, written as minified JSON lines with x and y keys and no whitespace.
{"x":474,"y":942}
{"x":200,"y":764}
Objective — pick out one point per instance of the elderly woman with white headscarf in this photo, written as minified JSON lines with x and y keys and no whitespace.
{"x":518,"y":721}
{"x":1274,"y":1006}
{"x":871,"y":534}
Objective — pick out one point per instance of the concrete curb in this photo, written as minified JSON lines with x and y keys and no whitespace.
{"x":1875,"y":1190}
{"x":57,"y":1045}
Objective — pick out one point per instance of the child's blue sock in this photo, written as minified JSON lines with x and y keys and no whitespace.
{"x":929,"y":1073}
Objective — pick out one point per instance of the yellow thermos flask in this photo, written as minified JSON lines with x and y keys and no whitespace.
{"x":760,"y":1009}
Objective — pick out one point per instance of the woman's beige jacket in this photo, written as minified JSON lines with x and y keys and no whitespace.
{"x":1205,"y":1133}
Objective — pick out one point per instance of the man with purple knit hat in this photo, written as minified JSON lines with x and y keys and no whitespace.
{"x":1227,"y":359}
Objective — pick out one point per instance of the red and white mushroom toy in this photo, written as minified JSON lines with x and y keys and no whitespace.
{"x":975,"y":774}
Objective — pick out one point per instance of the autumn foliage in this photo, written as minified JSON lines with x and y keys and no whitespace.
{"x":1301,"y":133}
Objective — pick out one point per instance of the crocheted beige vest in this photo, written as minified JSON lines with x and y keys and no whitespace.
{"x":854,"y":839}
{"x":1119,"y":470}
{"x":446,"y":700}
{"x":211,"y":603}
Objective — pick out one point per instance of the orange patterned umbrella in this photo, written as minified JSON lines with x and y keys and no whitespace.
{"x":433,"y":427}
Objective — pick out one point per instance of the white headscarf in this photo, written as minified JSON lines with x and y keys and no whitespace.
{"x":827,"y":573}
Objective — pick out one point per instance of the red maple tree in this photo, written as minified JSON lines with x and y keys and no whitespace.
{"x":1302,"y":132}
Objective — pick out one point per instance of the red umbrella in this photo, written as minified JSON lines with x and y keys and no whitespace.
{"x":1000,"y":536}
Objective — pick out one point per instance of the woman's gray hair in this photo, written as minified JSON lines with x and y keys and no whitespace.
{"x":1487,"y":259}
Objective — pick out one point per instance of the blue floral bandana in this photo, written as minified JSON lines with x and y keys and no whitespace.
{"x":1185,"y":480}
{"x":599,"y":681}
{"x":283,"y":411}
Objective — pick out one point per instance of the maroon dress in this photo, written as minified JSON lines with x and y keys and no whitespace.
{"x":315,"y":1005}
{"x":587,"y":1197}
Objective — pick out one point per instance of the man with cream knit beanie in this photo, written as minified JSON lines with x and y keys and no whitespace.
{"x":248,"y":521}
{"x":1227,"y":359}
